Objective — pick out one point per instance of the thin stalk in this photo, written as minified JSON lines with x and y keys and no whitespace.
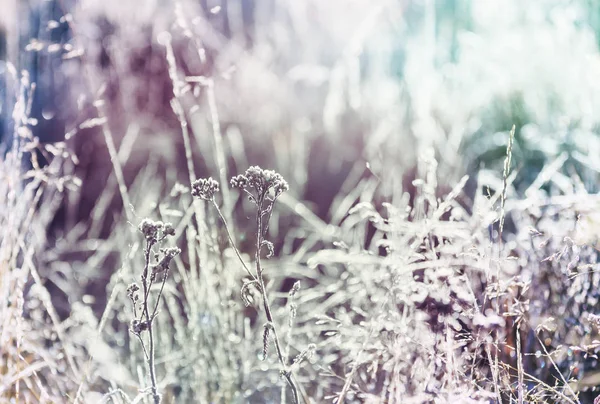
{"x":505,"y":175}
{"x":160,"y":292}
{"x":231,"y":241}
{"x":520,"y":392}
{"x":219,"y":149}
{"x":558,"y":372}
{"x":150,"y":353}
{"x":287,"y":342}
{"x":263,"y":290}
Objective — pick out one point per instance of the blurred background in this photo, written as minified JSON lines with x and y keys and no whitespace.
{"x":325,"y":92}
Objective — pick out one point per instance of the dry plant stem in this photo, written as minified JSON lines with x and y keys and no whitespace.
{"x":150,"y":352}
{"x":505,"y":174}
{"x":47,"y":302}
{"x":565,"y":382}
{"x":551,"y":388}
{"x":114,"y":159}
{"x":263,"y":291}
{"x":519,"y":365}
{"x":177,"y":107}
{"x":287,"y":354}
{"x":219,"y":151}
{"x":216,"y":126}
{"x":237,"y":252}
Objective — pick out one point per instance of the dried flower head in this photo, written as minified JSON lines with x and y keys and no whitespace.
{"x":205,"y":188}
{"x":239,"y":181}
{"x":137,"y":327}
{"x":150,"y":228}
{"x":168,"y":229}
{"x":261,"y":180}
{"x":156,"y":230}
{"x":163,"y":264}
{"x":132,"y":292}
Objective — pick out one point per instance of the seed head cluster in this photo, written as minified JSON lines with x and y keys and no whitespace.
{"x":132,"y":290}
{"x":153,"y":230}
{"x":163,"y":264}
{"x":261,"y":180}
{"x":205,"y":188}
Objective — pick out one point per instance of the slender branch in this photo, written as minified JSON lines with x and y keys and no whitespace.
{"x":286,"y":353}
{"x":160,"y":292}
{"x":270,"y":213}
{"x":263,"y":290}
{"x":145,"y":286}
{"x":232,"y":243}
{"x":143,"y":346}
{"x":146,"y":312}
{"x":219,"y":149}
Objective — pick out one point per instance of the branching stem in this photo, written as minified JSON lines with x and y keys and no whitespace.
{"x":148,"y":320}
{"x":259,"y":279}
{"x":263,"y":290}
{"x":237,"y":252}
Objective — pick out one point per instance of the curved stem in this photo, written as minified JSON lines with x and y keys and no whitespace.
{"x":237,"y":252}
